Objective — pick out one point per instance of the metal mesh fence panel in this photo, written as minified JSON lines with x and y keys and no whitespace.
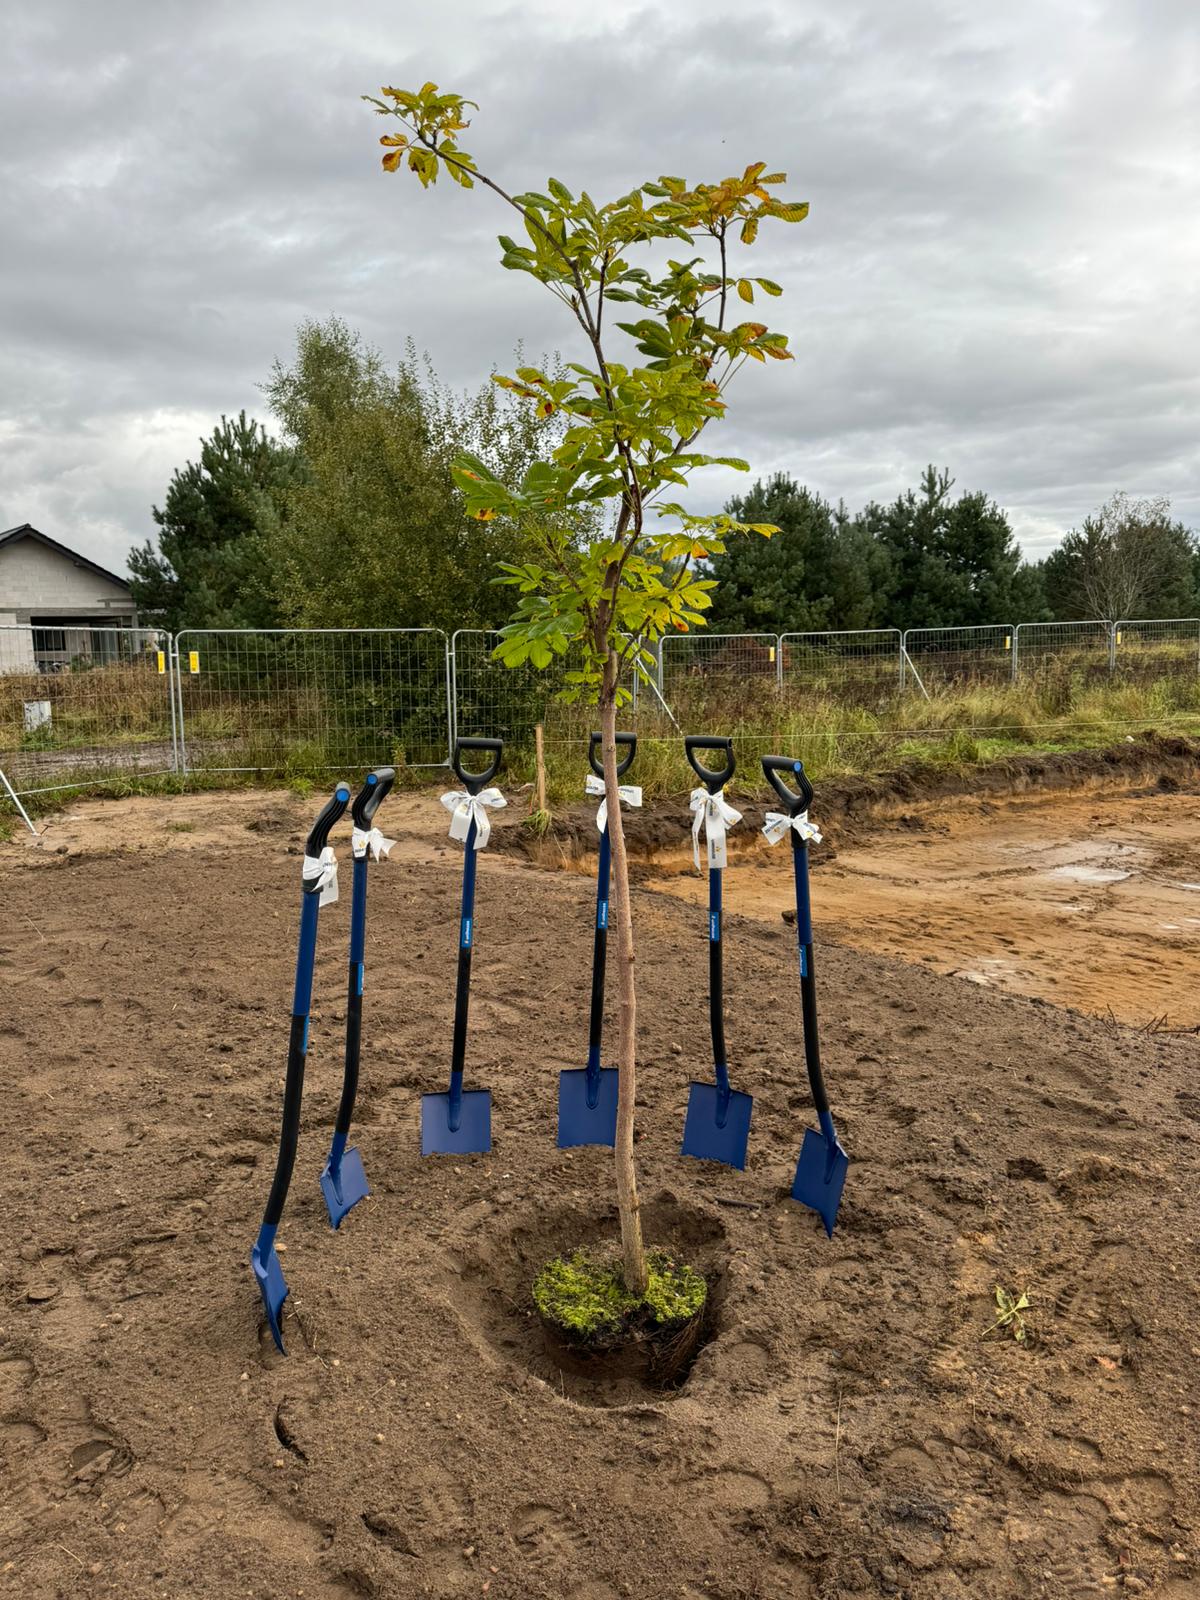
{"x":305,"y":700}
{"x":1147,"y":650}
{"x":856,"y":666}
{"x":80,"y":705}
{"x":715,"y":675}
{"x":1064,"y":657}
{"x":946,"y":657}
{"x":494,"y":701}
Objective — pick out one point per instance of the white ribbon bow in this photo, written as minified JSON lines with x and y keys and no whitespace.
{"x":716,"y":815}
{"x":467,"y":808}
{"x":777,"y":824}
{"x":323,"y":869}
{"x":630,"y":793}
{"x":362,"y":840}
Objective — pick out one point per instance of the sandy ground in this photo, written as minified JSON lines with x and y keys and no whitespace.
{"x":1092,"y":902}
{"x":849,"y":1429}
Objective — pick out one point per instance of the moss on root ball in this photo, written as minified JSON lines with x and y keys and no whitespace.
{"x":583,"y":1295}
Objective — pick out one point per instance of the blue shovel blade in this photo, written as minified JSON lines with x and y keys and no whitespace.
{"x":273,"y":1289}
{"x":708,"y":1136}
{"x":579,"y":1122}
{"x":345,"y":1188}
{"x":473,"y":1136}
{"x":821,"y":1176}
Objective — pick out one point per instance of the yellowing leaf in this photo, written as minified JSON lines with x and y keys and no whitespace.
{"x":399,"y":140}
{"x":744,"y":289}
{"x":486,"y":515}
{"x":392,"y":160}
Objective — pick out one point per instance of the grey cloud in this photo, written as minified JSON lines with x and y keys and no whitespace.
{"x":999,"y":272}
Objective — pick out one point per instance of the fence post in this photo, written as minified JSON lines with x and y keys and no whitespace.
{"x":903,"y":659}
{"x":168,"y":641}
{"x":1112,"y":647}
{"x":451,"y":693}
{"x":1016,"y":650}
{"x":779,"y":661}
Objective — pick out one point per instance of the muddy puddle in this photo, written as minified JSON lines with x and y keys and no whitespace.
{"x":1089,"y":902}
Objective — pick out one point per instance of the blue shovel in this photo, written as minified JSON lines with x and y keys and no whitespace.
{"x":587,"y":1097}
{"x":459,"y":1123}
{"x":343,"y":1182}
{"x":263,"y":1257}
{"x":821,"y":1170}
{"x":717,"y":1125}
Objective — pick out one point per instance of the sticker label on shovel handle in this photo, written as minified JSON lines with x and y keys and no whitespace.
{"x":466,"y":933}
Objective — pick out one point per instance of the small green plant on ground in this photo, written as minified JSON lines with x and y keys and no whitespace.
{"x":584,"y":1298}
{"x":628,"y":447}
{"x":1011,"y":1318}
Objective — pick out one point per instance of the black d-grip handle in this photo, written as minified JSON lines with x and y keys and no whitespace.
{"x":371,"y":796}
{"x":474,"y":781}
{"x":626,"y":741}
{"x":702,"y":741}
{"x":332,"y":810}
{"x":773,"y":769}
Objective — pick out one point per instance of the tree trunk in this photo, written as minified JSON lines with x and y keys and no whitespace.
{"x":633,"y":1251}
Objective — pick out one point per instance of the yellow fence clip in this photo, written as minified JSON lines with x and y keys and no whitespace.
{"x":162,"y":661}
{"x":193,"y":661}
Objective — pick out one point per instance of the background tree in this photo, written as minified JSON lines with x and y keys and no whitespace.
{"x":376,"y":533}
{"x":628,"y":439}
{"x":820,"y":571}
{"x":1128,"y":560}
{"x":213,"y":567}
{"x":953,"y":563}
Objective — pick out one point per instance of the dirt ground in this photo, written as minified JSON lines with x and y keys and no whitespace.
{"x":1091,"y":901}
{"x":848,"y":1430}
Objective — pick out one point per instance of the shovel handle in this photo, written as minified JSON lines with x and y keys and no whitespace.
{"x":625,"y":741}
{"x":773,"y":769}
{"x":712,"y":779}
{"x":372,"y":795}
{"x":474,"y":781}
{"x":331,"y":812}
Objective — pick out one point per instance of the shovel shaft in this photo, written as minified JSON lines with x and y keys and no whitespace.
{"x":354,"y":1000}
{"x":462,"y":989}
{"x":293,"y":1091}
{"x":808,"y":980}
{"x":716,"y":979}
{"x":599,"y":951}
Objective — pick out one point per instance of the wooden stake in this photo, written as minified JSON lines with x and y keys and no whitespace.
{"x":540,"y":749}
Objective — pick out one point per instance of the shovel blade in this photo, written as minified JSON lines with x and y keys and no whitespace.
{"x":579,"y":1122}
{"x":717,"y":1126}
{"x":473,"y":1135}
{"x":344,"y":1188}
{"x":821,"y":1176}
{"x":273,"y":1289}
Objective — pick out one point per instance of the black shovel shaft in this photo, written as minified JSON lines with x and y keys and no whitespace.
{"x":808,"y":978}
{"x":354,"y":996}
{"x":716,"y":974}
{"x":600,"y":950}
{"x":466,"y":939}
{"x":306,"y":957}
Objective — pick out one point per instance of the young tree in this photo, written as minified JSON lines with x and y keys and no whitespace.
{"x":629,"y":439}
{"x":213,"y":566}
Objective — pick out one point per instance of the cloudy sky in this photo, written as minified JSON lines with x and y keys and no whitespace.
{"x":999,"y":273}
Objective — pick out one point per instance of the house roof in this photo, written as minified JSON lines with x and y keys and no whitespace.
{"x":27,"y":531}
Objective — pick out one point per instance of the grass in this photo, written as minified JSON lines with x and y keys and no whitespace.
{"x":958,"y":728}
{"x":584,"y":1296}
{"x":955,"y":728}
